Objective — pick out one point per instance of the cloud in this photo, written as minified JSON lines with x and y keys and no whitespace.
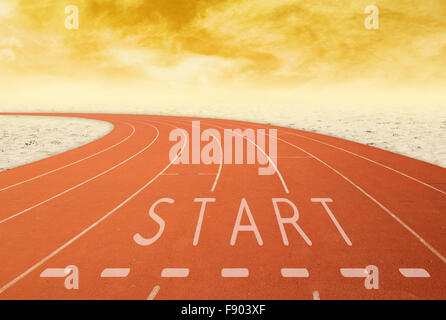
{"x":262,"y":42}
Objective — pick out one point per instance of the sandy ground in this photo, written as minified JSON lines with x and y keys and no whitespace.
{"x":25,"y":139}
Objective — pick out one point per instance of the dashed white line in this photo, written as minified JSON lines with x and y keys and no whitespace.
{"x":175,"y":273}
{"x":115,"y":272}
{"x":154,"y":292}
{"x":390,"y":213}
{"x":414,"y":273}
{"x":53,"y":273}
{"x":294,"y":273}
{"x":234,"y":272}
{"x":69,"y":242}
{"x":316,"y":295}
{"x":354,"y":272}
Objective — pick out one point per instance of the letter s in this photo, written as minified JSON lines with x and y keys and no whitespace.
{"x":146,"y":242}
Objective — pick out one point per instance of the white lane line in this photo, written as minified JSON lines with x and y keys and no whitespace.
{"x":294,"y":273}
{"x":264,"y":153}
{"x":82,"y":183}
{"x":214,"y":185}
{"x":175,"y":273}
{"x":390,"y":213}
{"x":354,"y":272}
{"x":291,"y":157}
{"x":370,"y":160}
{"x":154,"y":292}
{"x":220,"y":165}
{"x":115,"y":272}
{"x":362,"y":157}
{"x":316,"y":295}
{"x":72,"y":163}
{"x":189,"y":174}
{"x":53,"y":273}
{"x":234,"y":272}
{"x":414,"y":273}
{"x":66,"y":244}
{"x":395,"y":217}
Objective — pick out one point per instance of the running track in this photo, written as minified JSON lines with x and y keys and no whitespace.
{"x":83,"y":208}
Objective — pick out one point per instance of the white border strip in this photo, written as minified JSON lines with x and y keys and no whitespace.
{"x":294,"y":273}
{"x":66,"y":244}
{"x":175,"y":273}
{"x":414,"y":273}
{"x":234,"y":272}
{"x":115,"y":272}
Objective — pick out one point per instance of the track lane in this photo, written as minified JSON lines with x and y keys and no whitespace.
{"x":110,"y":245}
{"x":61,"y":217}
{"x":417,"y":208}
{"x":60,"y":183}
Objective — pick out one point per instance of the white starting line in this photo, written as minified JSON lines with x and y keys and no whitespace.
{"x":294,"y":273}
{"x":414,"y":273}
{"x":233,"y":272}
{"x":115,"y":272}
{"x":354,"y":272}
{"x":175,"y":273}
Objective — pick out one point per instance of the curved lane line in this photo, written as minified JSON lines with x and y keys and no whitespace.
{"x":390,"y":213}
{"x":82,"y":183}
{"x":261,"y":150}
{"x":72,"y":163}
{"x":66,"y":244}
{"x":220,"y":164}
{"x":370,"y":160}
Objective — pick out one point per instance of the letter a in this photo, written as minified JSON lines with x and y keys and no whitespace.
{"x":372,"y":280}
{"x":72,"y":280}
{"x":251,"y":227}
{"x":372,"y":21}
{"x":72,"y":21}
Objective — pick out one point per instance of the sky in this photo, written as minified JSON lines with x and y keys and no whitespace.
{"x":182,"y":52}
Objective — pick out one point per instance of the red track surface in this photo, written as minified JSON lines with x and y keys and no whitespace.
{"x":86,"y":213}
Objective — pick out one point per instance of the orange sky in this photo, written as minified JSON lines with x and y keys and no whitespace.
{"x":203,"y":49}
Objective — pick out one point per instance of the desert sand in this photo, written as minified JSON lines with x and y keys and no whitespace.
{"x":25,"y":139}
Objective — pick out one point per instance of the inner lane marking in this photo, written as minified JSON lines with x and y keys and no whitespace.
{"x":175,"y":272}
{"x":294,"y":273}
{"x":115,"y":272}
{"x":235,"y":272}
{"x":154,"y":292}
{"x":354,"y":272}
{"x":414,"y":273}
{"x":292,"y":157}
